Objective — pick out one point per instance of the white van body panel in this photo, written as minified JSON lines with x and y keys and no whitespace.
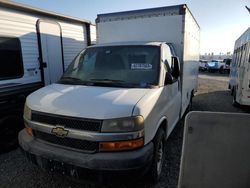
{"x":191,"y":55}
{"x":156,"y":104}
{"x":158,"y":29}
{"x":86,"y":101}
{"x":240,"y":69}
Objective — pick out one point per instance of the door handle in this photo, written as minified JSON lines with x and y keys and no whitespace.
{"x":42,"y":64}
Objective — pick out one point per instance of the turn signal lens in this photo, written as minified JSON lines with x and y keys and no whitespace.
{"x":29,"y":131}
{"x":121,"y":145}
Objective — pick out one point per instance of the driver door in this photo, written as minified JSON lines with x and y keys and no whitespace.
{"x":172,"y":93}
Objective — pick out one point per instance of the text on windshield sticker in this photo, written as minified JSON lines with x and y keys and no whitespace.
{"x":141,"y":66}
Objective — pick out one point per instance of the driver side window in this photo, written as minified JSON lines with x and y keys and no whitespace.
{"x":166,"y":55}
{"x":167,"y":58}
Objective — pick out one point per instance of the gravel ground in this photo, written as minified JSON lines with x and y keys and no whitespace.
{"x":212,"y":95}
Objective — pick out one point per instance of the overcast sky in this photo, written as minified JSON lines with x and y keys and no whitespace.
{"x":221,"y":21}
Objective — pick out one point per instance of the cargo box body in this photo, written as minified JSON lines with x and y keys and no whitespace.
{"x":239,"y":79}
{"x":173,"y":24}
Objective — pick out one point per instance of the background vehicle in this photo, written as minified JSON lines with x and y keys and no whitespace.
{"x":226,"y":67}
{"x":239,"y":81}
{"x":36,"y":46}
{"x":202,"y":65}
{"x":214,"y":65}
{"x":118,"y":101}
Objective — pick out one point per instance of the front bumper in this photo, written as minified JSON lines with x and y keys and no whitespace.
{"x":213,"y":68}
{"x":66,"y":161}
{"x":202,"y":68}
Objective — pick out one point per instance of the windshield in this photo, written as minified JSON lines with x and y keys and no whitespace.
{"x":119,"y":66}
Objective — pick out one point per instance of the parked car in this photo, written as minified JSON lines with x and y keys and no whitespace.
{"x":226,"y":67}
{"x":202,"y":65}
{"x":214,"y":65}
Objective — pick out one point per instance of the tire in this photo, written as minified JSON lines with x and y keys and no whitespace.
{"x":10,"y":126}
{"x":221,"y":70}
{"x":190,"y":105}
{"x":159,"y":155}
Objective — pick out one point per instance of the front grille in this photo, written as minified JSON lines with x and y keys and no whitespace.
{"x":72,"y":143}
{"x":67,"y":122}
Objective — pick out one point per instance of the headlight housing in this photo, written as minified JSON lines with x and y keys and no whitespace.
{"x":27,"y":112}
{"x":127,"y":124}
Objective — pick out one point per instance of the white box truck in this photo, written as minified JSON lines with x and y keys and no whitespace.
{"x":239,"y":81}
{"x":119,"y":100}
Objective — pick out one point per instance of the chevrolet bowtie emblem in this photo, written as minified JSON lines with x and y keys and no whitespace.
{"x":59,"y":132}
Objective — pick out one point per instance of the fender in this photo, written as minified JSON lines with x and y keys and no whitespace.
{"x":164,"y":118}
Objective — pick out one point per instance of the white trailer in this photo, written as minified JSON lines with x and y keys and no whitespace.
{"x":36,"y":46}
{"x":119,"y":100}
{"x":174,"y":25}
{"x":239,"y":81}
{"x":93,"y":34}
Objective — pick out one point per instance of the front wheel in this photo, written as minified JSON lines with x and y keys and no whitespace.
{"x":190,"y":105}
{"x":221,"y":70}
{"x":158,"y":157}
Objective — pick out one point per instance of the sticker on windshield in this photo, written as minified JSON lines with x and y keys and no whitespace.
{"x":141,"y":66}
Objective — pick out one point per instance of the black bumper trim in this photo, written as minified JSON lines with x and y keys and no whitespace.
{"x":109,"y":161}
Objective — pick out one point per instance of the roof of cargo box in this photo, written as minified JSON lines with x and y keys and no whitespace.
{"x":33,"y":10}
{"x":243,"y":39}
{"x":149,"y":43}
{"x":151,"y":12}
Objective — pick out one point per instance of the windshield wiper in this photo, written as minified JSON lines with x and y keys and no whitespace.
{"x":101,"y":82}
{"x":112,"y":83}
{"x":70,"y":78}
{"x":73,"y":81}
{"x":121,"y":83}
{"x":105,"y":80}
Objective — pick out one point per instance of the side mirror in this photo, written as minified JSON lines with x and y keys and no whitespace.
{"x":168,"y":78}
{"x":176,"y":67}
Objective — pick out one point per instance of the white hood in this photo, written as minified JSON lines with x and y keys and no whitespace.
{"x":86,"y":101}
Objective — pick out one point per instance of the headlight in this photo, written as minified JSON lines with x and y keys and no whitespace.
{"x":27,"y":112}
{"x":128,"y":124}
